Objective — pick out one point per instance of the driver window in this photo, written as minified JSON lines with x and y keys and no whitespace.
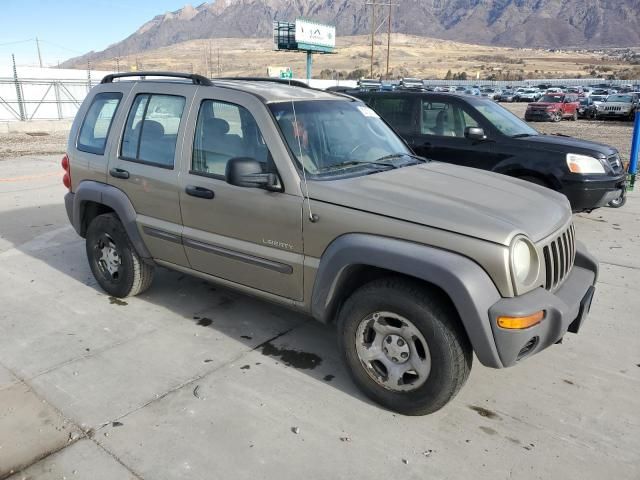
{"x":225,"y":131}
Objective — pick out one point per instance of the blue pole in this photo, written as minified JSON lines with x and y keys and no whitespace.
{"x":309,"y":65}
{"x":635,"y":150}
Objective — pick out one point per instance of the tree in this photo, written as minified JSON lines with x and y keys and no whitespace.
{"x":449,"y":75}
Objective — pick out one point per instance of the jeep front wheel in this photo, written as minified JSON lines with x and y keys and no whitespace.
{"x":404,"y":346}
{"x":114,"y":262}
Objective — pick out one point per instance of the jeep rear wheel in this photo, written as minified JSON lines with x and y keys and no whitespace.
{"x":557,"y":117}
{"x":404,"y":346}
{"x":114,"y":262}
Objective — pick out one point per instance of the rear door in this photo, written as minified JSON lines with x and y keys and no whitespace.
{"x":248,"y":236}
{"x":144,"y":165}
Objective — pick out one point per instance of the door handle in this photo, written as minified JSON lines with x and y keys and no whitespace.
{"x":119,"y":173}
{"x":199,"y":192}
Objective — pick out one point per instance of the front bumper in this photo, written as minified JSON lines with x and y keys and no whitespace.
{"x":591,"y":193}
{"x":613,"y":114}
{"x":540,"y":115}
{"x":565,"y":311}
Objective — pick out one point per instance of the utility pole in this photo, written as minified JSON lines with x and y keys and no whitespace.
{"x":373,"y":34}
{"x":389,"y":40}
{"x":210,"y":59}
{"x":219,"y":70}
{"x":374,"y":28}
{"x":39,"y":55}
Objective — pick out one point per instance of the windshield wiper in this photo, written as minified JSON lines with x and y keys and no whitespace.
{"x":380,"y":164}
{"x":400,"y":155}
{"x":523,"y":135}
{"x":385,"y":165}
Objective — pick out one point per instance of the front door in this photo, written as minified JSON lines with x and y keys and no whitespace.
{"x":249,"y":236}
{"x":442,"y":135}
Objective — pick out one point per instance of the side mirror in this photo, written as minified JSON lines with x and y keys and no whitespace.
{"x":247,"y":172}
{"x":474,"y":133}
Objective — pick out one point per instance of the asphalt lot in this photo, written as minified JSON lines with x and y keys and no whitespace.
{"x":193,"y":381}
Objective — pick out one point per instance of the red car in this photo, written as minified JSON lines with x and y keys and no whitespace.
{"x":553,"y":107}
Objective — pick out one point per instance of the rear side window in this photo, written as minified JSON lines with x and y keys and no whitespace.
{"x":398,"y":112}
{"x":151,"y":132}
{"x":97,"y":122}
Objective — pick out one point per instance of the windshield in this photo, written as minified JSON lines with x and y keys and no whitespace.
{"x":584,"y":101}
{"x":505,"y":121}
{"x":551,"y":99}
{"x":620,"y":98}
{"x":329,"y":136}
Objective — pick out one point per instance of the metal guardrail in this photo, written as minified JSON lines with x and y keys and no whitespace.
{"x":26,"y":99}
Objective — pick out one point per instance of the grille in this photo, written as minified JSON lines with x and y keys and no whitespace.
{"x":559,"y":255}
{"x":612,"y":108}
{"x":615,"y":163}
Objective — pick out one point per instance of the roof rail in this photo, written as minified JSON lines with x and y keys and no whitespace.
{"x":284,"y":81}
{"x":196,"y":79}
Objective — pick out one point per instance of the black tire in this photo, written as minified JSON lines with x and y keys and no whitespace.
{"x":131,"y":275}
{"x":558,"y":117}
{"x":618,"y":202}
{"x":450,"y":352}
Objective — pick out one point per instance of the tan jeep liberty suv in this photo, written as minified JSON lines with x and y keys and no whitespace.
{"x":308,"y":199}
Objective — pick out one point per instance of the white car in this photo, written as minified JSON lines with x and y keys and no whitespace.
{"x":530,"y":95}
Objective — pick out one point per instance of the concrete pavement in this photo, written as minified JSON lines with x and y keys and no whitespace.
{"x":193,"y":381}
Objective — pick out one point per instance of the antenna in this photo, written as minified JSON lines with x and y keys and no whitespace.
{"x":313,"y":218}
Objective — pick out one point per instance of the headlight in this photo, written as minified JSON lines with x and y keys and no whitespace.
{"x":584,"y":164}
{"x":524,"y":262}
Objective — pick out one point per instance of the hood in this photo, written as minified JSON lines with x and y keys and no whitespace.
{"x":544,"y":104}
{"x":557,"y":143}
{"x":464,"y":200}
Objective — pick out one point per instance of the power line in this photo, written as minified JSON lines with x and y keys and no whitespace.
{"x":16,"y":42}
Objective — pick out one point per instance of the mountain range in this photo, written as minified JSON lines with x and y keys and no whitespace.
{"x":514,"y":23}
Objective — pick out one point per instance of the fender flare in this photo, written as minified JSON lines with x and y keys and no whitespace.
{"x":469,"y":287}
{"x":114,"y":198}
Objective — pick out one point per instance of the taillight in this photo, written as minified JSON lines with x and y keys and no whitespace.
{"x":66,"y":179}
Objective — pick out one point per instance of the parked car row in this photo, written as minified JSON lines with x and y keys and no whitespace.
{"x":310,"y":200}
{"x":557,"y":106}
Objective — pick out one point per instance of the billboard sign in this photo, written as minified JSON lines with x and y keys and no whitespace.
{"x":314,"y":35}
{"x":279,"y":72}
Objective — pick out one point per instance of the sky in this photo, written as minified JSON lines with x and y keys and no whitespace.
{"x":68,"y":28}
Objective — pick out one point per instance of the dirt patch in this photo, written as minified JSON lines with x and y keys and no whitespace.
{"x":19,"y":144}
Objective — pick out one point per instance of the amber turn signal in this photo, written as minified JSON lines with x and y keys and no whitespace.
{"x":519,"y":323}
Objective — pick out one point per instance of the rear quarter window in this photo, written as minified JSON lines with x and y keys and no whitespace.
{"x":97,"y":122}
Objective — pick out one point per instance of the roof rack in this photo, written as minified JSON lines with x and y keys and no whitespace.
{"x":196,"y":79}
{"x":284,"y":81}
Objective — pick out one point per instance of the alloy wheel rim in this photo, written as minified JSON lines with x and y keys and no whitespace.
{"x":392,"y":351}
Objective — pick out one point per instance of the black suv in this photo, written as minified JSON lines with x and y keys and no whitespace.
{"x":476,"y":132}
